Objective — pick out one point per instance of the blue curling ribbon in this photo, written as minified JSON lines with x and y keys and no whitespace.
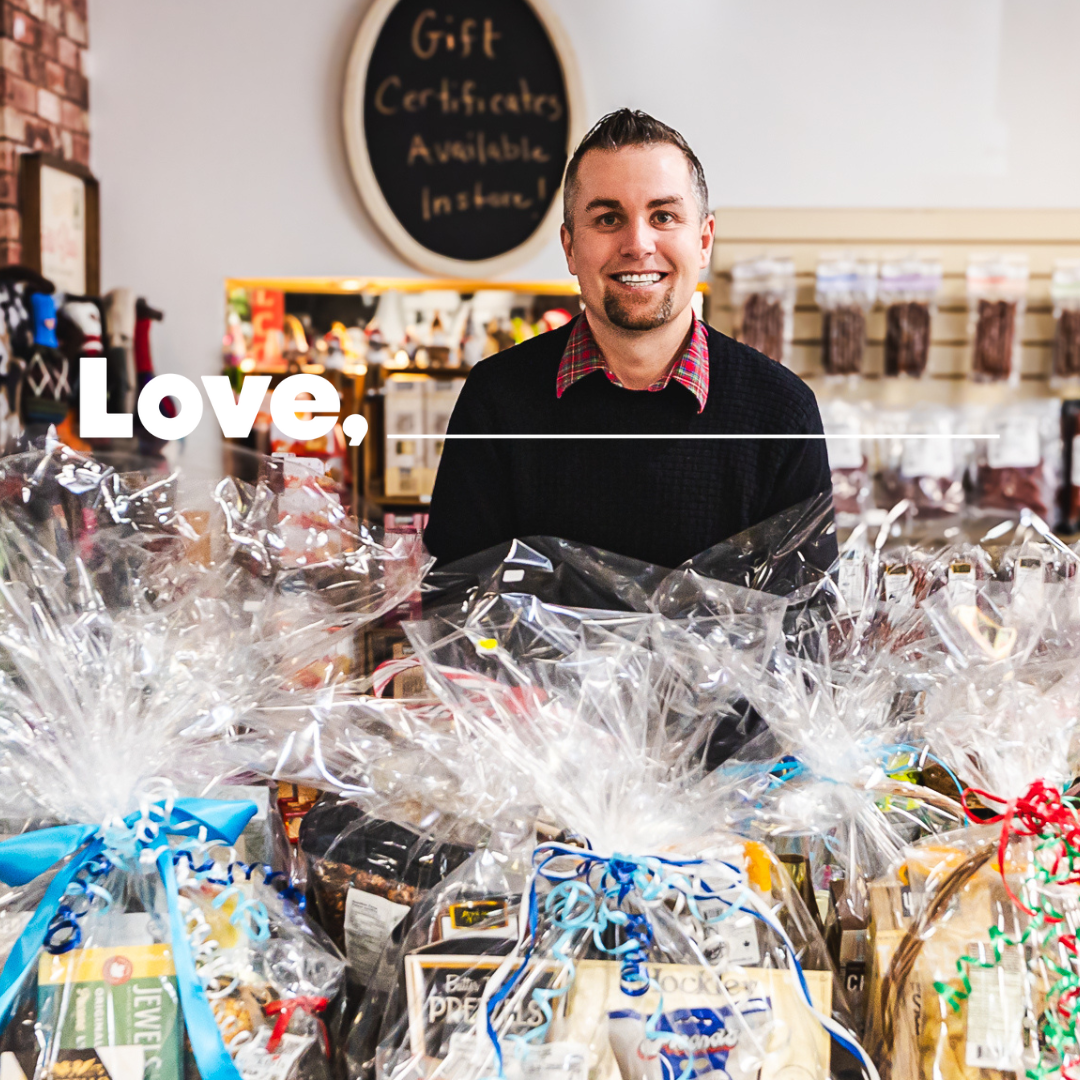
{"x":574,"y":905}
{"x":24,"y":858}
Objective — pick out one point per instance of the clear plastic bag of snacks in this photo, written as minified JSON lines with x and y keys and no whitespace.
{"x":997,"y":297}
{"x":651,"y":935}
{"x":1065,"y":294}
{"x":845,"y":293}
{"x":849,"y":458}
{"x":763,"y":296}
{"x":1020,"y":468}
{"x":908,"y":288}
{"x":924,"y":462}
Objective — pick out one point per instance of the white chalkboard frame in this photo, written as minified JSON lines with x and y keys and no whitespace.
{"x":364,"y":176}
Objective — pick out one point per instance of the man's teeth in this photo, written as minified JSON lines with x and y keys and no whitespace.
{"x":639,"y":279}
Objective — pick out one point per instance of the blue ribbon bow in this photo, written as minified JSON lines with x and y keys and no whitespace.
{"x":24,"y":858}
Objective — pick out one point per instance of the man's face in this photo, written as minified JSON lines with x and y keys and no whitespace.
{"x":638,"y":242}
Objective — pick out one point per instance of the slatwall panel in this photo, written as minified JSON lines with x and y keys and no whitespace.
{"x":952,"y":235}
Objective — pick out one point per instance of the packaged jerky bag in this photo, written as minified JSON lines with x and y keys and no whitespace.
{"x":908,"y":288}
{"x":845,"y":293}
{"x":997,"y":297}
{"x":1065,"y":294}
{"x":763,"y":296}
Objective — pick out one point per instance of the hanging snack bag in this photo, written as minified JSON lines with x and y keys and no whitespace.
{"x":1020,"y":467}
{"x":1070,"y":466}
{"x":924,"y":463}
{"x":997,"y":297}
{"x":845,"y":294}
{"x":909,"y":289}
{"x":763,"y":296}
{"x":1065,"y":293}
{"x":849,"y":461}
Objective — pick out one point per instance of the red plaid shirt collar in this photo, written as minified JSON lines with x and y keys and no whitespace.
{"x":582,"y":357}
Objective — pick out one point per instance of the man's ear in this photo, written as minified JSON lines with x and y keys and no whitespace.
{"x":708,"y":234}
{"x":567,"y":238}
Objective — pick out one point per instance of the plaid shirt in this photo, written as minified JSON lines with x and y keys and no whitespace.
{"x":582,"y":357}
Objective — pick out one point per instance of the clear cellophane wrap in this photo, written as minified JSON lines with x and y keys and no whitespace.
{"x":138,"y":641}
{"x":647,"y":936}
{"x":973,"y":965}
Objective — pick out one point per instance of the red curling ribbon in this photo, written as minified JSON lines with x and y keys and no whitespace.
{"x":1040,"y":809}
{"x":285,"y":1009}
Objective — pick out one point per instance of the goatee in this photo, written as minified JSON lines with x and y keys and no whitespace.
{"x":620,"y":315}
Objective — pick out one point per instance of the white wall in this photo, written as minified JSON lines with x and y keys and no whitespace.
{"x":216,"y":133}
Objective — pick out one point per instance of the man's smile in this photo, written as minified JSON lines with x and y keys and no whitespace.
{"x":639,"y":279}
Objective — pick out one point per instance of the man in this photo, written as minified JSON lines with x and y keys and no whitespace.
{"x":636,"y":364}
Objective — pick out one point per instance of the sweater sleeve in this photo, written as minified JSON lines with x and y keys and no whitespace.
{"x":472,"y":503}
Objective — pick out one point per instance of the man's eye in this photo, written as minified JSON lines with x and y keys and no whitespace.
{"x":664,"y":217}
{"x":609,"y":219}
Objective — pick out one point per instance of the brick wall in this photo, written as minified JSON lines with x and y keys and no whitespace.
{"x":44,"y":99}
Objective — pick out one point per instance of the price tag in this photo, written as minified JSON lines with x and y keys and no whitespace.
{"x":1017,"y":445}
{"x":926,"y":457}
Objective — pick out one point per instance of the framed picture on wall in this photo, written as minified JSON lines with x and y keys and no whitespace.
{"x":61,"y":236}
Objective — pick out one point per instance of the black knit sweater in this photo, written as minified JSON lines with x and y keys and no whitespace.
{"x":659,"y":500}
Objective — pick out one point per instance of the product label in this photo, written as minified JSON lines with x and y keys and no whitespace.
{"x":369,"y":922}
{"x":114,"y":1010}
{"x":844,"y":453}
{"x":926,"y":457}
{"x":733,"y":940}
{"x":995,"y":1015}
{"x":444,"y":993}
{"x":255,"y":1062}
{"x":962,"y":587}
{"x":689,"y":1043}
{"x":479,"y":918}
{"x":852,"y":578}
{"x":1017,"y":445}
{"x":725,"y":1024}
{"x":900,"y":586}
{"x":1029,"y":580}
{"x":557,"y":1061}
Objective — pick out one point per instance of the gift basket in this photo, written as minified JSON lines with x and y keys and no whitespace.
{"x":649,"y":939}
{"x":132,"y":665}
{"x":973,"y":948}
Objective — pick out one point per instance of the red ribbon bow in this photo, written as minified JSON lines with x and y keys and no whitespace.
{"x":285,"y":1009}
{"x":1039,"y":809}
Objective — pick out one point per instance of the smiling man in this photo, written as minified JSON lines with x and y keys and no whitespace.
{"x":636,"y":365}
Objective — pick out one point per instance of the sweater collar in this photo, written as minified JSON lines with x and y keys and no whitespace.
{"x":582,"y":357}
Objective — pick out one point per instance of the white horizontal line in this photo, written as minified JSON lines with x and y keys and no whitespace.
{"x":651,"y":435}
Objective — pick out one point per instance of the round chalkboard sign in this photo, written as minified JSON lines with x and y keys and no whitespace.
{"x":458,"y":117}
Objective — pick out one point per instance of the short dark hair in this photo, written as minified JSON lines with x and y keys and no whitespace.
{"x":631,"y":127}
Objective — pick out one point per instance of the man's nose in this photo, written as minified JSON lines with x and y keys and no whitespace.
{"x":639,"y":239}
